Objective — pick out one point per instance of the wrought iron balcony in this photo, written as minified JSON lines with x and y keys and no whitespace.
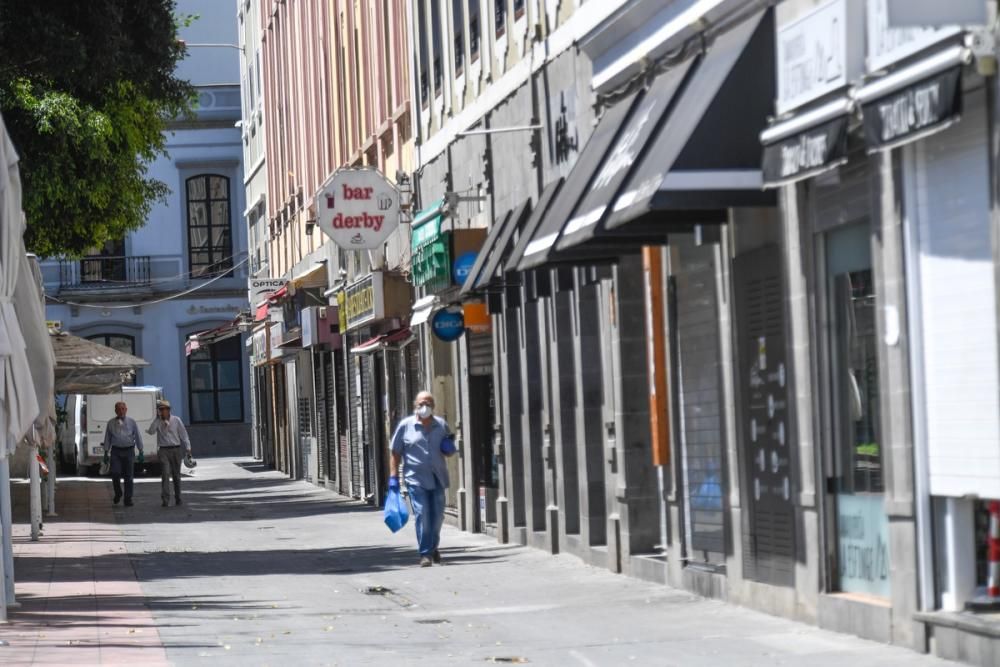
{"x":99,"y":272}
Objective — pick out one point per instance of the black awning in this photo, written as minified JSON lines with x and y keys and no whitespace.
{"x":485,"y":252}
{"x":807,"y":144}
{"x":536,"y":252}
{"x":503,"y":245}
{"x":622,"y":158}
{"x":915,"y":101}
{"x":531,"y":225}
{"x":705,"y":157}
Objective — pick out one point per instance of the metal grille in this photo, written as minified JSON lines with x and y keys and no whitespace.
{"x":480,"y":354}
{"x":700,"y":403}
{"x":305,"y":436}
{"x":343,"y":421}
{"x":319,"y":387}
{"x":765,"y":428}
{"x":356,"y":427}
{"x":367,"y":431}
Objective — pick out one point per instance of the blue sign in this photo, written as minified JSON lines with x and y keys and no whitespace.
{"x":448,"y":325}
{"x":462,"y":265}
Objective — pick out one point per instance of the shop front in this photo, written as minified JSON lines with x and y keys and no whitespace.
{"x":372,"y":310}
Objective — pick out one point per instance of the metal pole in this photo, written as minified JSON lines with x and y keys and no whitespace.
{"x":35,"y":500}
{"x":6,"y":524}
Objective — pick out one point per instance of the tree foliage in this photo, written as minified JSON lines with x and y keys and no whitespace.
{"x":86,"y":90}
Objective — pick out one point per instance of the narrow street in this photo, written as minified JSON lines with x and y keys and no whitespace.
{"x":257,"y":570}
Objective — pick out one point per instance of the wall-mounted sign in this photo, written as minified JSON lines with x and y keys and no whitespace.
{"x":912,"y":112}
{"x":262,"y":288}
{"x":818,"y":51}
{"x":364,"y":301}
{"x":936,"y":14}
{"x":358,"y":208}
{"x":448,"y":325}
{"x":259,"y":347}
{"x":205,"y":310}
{"x":889,"y":42}
{"x":462,"y":265}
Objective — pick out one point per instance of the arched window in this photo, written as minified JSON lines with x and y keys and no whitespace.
{"x":119,"y":342}
{"x":210,"y":238}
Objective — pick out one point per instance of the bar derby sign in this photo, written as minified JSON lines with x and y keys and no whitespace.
{"x":358,"y":208}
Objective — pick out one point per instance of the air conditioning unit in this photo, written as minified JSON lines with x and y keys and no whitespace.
{"x":320,"y":327}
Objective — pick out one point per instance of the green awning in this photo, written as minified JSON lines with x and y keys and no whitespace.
{"x":426,"y":233}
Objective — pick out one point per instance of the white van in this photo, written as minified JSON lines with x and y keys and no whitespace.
{"x":81,"y":439}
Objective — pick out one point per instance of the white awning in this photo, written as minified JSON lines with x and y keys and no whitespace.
{"x":422,"y":310}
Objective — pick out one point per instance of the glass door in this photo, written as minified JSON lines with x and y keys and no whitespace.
{"x":861,"y":525}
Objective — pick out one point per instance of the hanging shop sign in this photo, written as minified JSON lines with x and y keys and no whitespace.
{"x":448,"y":325}
{"x":259,"y":347}
{"x":914,"y":111}
{"x":462,"y":266}
{"x":358,"y":208}
{"x":895,"y":33}
{"x":261,"y":288}
{"x":363,"y":302}
{"x":819,"y":50}
{"x":806,"y":154}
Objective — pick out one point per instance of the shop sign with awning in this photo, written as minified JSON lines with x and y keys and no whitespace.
{"x":198,"y":340}
{"x":915,"y":101}
{"x":391,"y":340}
{"x":806,"y":144}
{"x":430,"y":250}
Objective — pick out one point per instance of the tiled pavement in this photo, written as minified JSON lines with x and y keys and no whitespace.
{"x":80,"y":602}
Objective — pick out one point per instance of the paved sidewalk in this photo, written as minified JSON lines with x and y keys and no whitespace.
{"x":80,"y":602}
{"x":256,"y":570}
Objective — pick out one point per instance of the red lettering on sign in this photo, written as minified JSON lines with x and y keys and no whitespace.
{"x":363,"y":221}
{"x":357,"y":193}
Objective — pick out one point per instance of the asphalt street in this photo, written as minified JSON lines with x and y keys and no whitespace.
{"x":257,"y":570}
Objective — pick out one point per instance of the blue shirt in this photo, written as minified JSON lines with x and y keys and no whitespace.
{"x":421,"y":451}
{"x":122,"y":433}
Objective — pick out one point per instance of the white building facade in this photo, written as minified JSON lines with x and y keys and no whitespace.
{"x":186,"y":270}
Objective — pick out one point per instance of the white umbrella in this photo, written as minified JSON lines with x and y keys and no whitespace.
{"x":18,"y":401}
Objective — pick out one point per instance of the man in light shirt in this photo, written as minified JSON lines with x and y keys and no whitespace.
{"x":172,"y":443}
{"x":121,"y":439}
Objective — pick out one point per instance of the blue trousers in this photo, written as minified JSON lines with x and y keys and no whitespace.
{"x":428,"y":517}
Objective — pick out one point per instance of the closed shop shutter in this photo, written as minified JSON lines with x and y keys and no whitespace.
{"x":342,"y":424}
{"x":319,"y":389}
{"x":354,"y":379}
{"x":369,"y":422}
{"x":953,"y":306}
{"x":305,"y":436}
{"x":700,"y":401}
{"x":765,"y":433}
{"x":480,"y":354}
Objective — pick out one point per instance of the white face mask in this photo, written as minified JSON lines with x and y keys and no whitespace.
{"x":424,"y":411}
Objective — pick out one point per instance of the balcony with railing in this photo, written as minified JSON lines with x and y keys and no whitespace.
{"x":105,"y":273}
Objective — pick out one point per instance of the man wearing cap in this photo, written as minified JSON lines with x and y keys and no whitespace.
{"x":121,"y":439}
{"x":424,"y":441}
{"x":172,"y":443}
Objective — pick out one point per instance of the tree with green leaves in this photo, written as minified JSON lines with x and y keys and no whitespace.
{"x":86,"y":91}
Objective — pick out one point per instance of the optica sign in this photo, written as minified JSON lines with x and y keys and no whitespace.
{"x":358,"y":208}
{"x":448,"y":325}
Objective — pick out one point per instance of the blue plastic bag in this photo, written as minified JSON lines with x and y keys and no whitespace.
{"x":395,"y":513}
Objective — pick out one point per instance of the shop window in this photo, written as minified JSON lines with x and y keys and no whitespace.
{"x":215,"y":382}
{"x":862,"y":525}
{"x":210,"y":242}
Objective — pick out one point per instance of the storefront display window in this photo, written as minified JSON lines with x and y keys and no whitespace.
{"x":862,"y":526}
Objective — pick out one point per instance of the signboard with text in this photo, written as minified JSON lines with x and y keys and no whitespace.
{"x":261,"y":288}
{"x":888,"y":42}
{"x":358,"y":208}
{"x":818,"y":51}
{"x":364,"y":301}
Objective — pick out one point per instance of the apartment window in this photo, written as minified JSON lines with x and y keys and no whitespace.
{"x":215,"y":382}
{"x":474,"y":30}
{"x":210,"y":243}
{"x":518,"y":9}
{"x":436,"y":45}
{"x":458,"y":17}
{"x":500,"y":17}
